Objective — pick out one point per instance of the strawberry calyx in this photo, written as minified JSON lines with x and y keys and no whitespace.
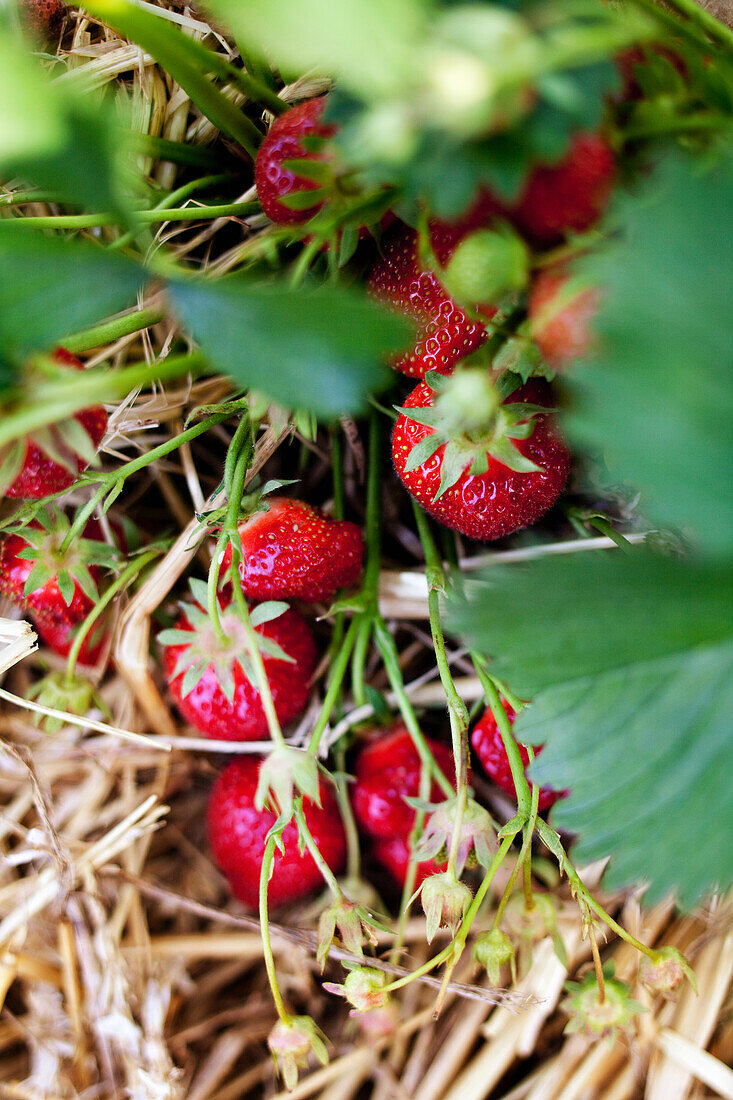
{"x":477,"y":842}
{"x":68,"y":567}
{"x":469,"y":419}
{"x":203,"y":646}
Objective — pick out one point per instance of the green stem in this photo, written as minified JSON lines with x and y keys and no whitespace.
{"x":120,"y":475}
{"x":243,"y":446}
{"x":408,"y":888}
{"x":265,"y":931}
{"x":388,"y":650}
{"x":361,"y":648}
{"x":609,"y":531}
{"x":145,"y":217}
{"x":19,"y":198}
{"x":353,"y":845}
{"x":521,"y":784}
{"x":110,"y":331}
{"x":307,"y":838}
{"x":60,"y":400}
{"x":522,"y":859}
{"x":488,"y":878}
{"x":121,"y":582}
{"x":704,"y":20}
{"x":338,"y":670}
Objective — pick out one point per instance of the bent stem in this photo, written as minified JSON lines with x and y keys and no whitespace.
{"x":307,"y":838}
{"x":516,"y":764}
{"x":265,"y":931}
{"x":523,"y":860}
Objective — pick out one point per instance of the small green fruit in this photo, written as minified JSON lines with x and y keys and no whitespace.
{"x":487,"y":265}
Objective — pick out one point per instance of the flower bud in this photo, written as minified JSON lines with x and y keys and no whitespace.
{"x":444,"y":901}
{"x":290,"y":1044}
{"x":354,"y":924}
{"x":666,"y":973}
{"x":363,"y":988}
{"x":493,"y":950}
{"x":477,"y":837}
{"x":600,"y":1019}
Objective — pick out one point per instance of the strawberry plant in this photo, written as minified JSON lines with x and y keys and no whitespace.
{"x":217,"y":236}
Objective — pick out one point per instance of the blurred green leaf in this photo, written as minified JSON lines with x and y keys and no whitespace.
{"x":317,"y":350}
{"x":50,"y":288}
{"x":369,"y":44}
{"x":629,"y":662}
{"x":56,"y":138}
{"x":658,"y":398}
{"x":185,"y":59}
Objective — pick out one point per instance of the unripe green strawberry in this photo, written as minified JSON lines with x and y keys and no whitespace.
{"x":486,"y":265}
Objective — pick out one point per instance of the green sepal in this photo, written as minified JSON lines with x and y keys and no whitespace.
{"x":66,"y":586}
{"x":422,"y":451}
{"x":86,"y":582}
{"x":39,"y":575}
{"x":173,"y":636}
{"x":192,"y":677}
{"x":320,"y":171}
{"x":266,"y":612}
{"x":11,"y":465}
{"x":505,"y":452}
{"x":455,"y":461}
{"x":303,"y":200}
{"x":199,"y":590}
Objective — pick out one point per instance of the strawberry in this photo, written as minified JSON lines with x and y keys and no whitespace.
{"x":560,"y":315}
{"x":387,"y":772}
{"x":568,"y":197}
{"x":284,"y":142}
{"x":59,"y":637}
{"x":42,"y":18}
{"x":50,"y":460}
{"x":481,"y":467}
{"x":293,"y":551}
{"x":489,"y":747}
{"x":238,"y":835}
{"x":58,"y":587}
{"x":445,"y":333}
{"x":394,"y":855}
{"x":212,"y":681}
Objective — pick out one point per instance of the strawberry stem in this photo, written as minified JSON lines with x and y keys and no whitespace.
{"x":307,"y":838}
{"x":119,"y":584}
{"x":521,"y":784}
{"x":598,"y":966}
{"x":524,"y":859}
{"x":110,"y":331}
{"x":112,"y":480}
{"x":457,"y":712}
{"x":265,"y":871}
{"x":337,"y":672}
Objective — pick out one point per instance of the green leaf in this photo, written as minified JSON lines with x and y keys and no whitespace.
{"x":315,"y":350}
{"x":657,"y":397}
{"x":629,"y":662}
{"x":369,"y":44}
{"x":38,"y":305}
{"x":54,"y":137}
{"x":184,"y":59}
{"x":266,"y":612}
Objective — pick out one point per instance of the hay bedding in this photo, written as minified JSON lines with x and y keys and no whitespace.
{"x":126,"y":969}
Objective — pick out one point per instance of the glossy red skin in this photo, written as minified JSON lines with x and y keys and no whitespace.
{"x":238,"y":832}
{"x":489,"y":747}
{"x":387,"y":771}
{"x":283,"y":142}
{"x":561,"y":334}
{"x":46,"y":603}
{"x":491,"y":505}
{"x":207,"y":708}
{"x":567,"y":197}
{"x":293,"y":551}
{"x":394,"y":855}
{"x":445,"y":333}
{"x":40,"y":475}
{"x":59,"y":637}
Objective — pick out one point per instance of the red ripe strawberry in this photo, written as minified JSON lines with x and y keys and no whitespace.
{"x":213,"y":682}
{"x":387,"y":772}
{"x":445,"y":333}
{"x":42,"y":18}
{"x":489,"y":747}
{"x":51,"y":459}
{"x":59,"y":637}
{"x":567,"y":197}
{"x":293,"y":551}
{"x":284,"y":142}
{"x":560,"y":317}
{"x":58,"y":586}
{"x":394,"y":855}
{"x":238,"y":832}
{"x":482,"y":468}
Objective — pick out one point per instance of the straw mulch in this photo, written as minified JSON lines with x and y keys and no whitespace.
{"x":125,"y":968}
